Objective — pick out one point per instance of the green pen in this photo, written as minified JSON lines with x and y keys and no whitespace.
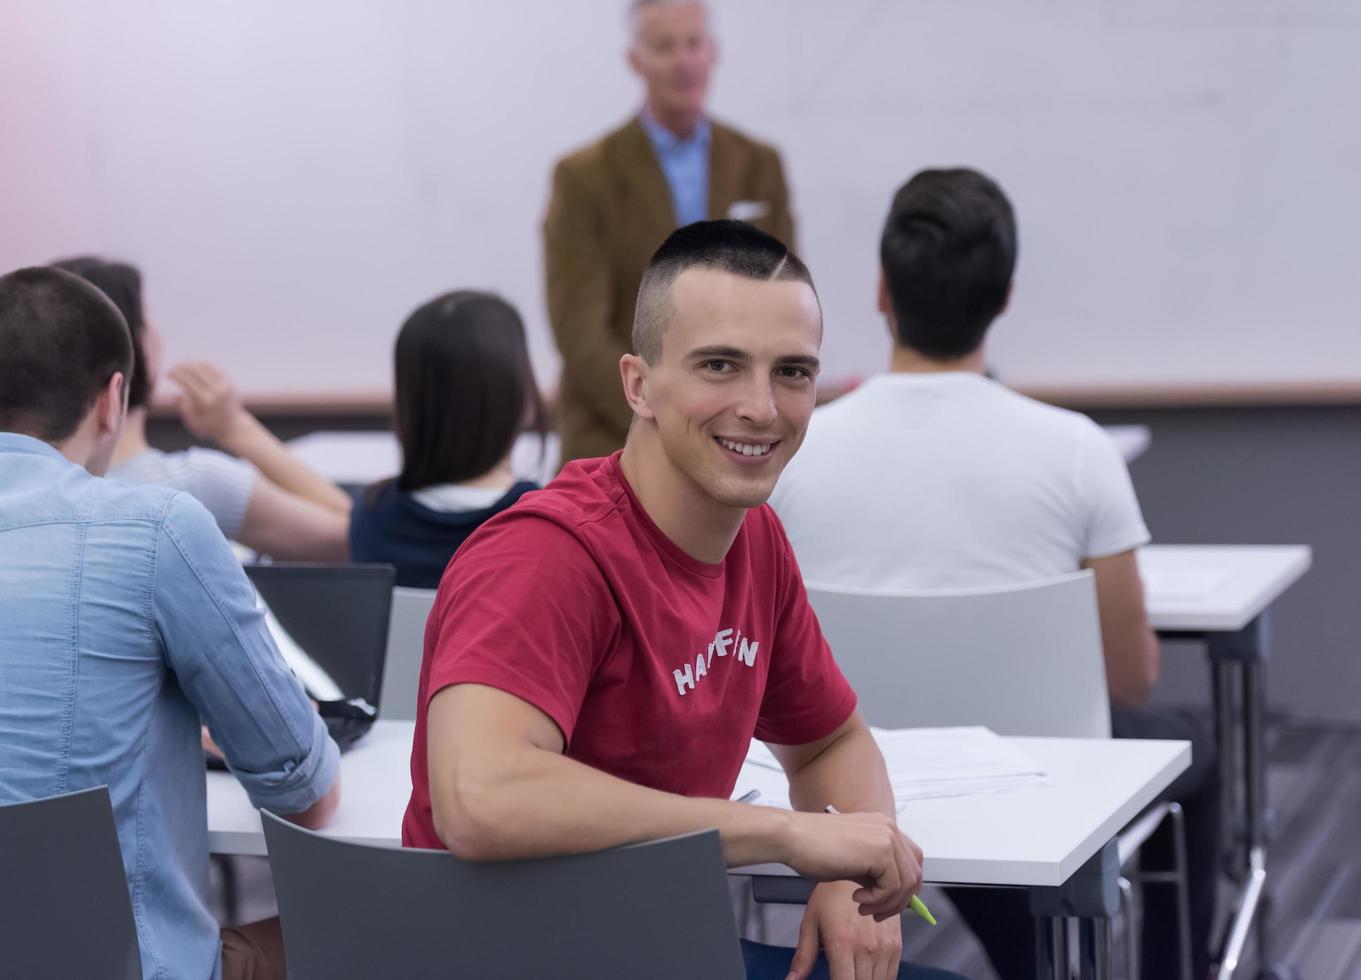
{"x":918,"y":905}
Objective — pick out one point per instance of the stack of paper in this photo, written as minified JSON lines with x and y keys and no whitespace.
{"x":923,"y":763}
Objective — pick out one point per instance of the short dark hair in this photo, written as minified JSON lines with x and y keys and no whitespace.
{"x":948,"y":252}
{"x":122,"y":283}
{"x":464,"y":388}
{"x":61,"y":340}
{"x":728,"y":246}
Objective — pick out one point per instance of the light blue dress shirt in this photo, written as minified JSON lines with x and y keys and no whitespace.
{"x":124,"y":618}
{"x":685,"y":163}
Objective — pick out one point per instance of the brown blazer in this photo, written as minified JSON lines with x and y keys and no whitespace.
{"x":610,"y":210}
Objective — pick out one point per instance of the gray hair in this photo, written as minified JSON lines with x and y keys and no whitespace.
{"x":634,"y":14}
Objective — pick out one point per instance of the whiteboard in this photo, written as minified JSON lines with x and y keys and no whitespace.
{"x":295,"y":177}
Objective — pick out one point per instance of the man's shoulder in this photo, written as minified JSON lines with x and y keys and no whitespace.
{"x":727,"y":131}
{"x":598,"y":155}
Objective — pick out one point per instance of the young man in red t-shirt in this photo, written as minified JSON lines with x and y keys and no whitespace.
{"x":613,"y":642}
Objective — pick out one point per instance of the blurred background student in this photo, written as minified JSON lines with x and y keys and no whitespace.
{"x":261,"y":494}
{"x":464,"y":391}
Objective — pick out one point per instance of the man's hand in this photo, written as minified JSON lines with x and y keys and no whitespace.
{"x":857,"y":948}
{"x":865,"y":848}
{"x":208,"y":405}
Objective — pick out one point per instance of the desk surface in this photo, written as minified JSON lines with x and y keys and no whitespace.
{"x":375,"y":784}
{"x":1216,"y":588}
{"x":1030,"y":837}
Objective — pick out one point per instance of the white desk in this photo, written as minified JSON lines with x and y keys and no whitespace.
{"x":1216,"y":588}
{"x":1131,"y":440}
{"x":1037,"y":836}
{"x":375,"y":784}
{"x":1221,"y":595}
{"x":361,"y":458}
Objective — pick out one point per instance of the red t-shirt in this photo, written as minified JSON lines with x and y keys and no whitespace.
{"x":658,"y":668}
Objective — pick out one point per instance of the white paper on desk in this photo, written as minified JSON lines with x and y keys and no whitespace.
{"x":1182,"y":585}
{"x":923,"y":763}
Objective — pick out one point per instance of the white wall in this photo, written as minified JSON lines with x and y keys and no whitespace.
{"x":295,"y":177}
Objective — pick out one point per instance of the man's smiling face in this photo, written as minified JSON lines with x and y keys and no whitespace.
{"x":735,"y":383}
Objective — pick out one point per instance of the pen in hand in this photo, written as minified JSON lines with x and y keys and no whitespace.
{"x":918,"y":905}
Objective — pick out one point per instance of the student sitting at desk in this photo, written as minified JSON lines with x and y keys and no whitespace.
{"x":600,"y":655}
{"x":464,"y":389}
{"x":261,"y":495}
{"x":125,"y":619}
{"x":934,"y":477}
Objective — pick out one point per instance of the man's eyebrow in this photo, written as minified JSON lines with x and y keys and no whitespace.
{"x":799,"y":360}
{"x":718,"y":350}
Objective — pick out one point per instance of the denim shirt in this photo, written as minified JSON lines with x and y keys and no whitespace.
{"x":124,"y":618}
{"x":685,"y":163}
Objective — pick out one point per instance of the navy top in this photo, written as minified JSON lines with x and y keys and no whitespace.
{"x":391,"y":526}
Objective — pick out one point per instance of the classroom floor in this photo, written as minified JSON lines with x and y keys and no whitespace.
{"x":1314,"y":786}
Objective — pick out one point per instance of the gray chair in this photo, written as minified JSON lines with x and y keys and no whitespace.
{"x":1022,"y":660}
{"x":64,"y":907}
{"x":406,"y":647}
{"x":657,"y":910}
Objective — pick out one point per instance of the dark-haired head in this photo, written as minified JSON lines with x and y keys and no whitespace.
{"x":122,"y":283}
{"x":947,"y":253}
{"x":464,"y":388}
{"x":61,"y":343}
{"x":727,"y":246}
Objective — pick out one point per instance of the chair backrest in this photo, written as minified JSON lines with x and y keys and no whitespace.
{"x":64,"y":906}
{"x":406,"y":645}
{"x":658,"y":910}
{"x":1023,"y":660}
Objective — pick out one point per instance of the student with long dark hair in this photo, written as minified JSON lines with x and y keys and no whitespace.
{"x":464,"y":392}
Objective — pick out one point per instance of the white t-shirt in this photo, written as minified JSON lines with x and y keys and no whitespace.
{"x":949,"y":480}
{"x":221,"y":483}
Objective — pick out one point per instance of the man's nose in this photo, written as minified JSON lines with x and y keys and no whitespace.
{"x":758,"y":403}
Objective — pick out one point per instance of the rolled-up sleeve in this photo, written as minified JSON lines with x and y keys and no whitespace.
{"x":220,"y":651}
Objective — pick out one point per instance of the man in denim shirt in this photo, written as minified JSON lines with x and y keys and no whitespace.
{"x":124,"y":619}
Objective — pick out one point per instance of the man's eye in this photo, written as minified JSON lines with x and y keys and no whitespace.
{"x":718,"y":367}
{"x":796,"y":373}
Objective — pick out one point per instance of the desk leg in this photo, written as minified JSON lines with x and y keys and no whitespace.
{"x":1090,"y":895}
{"x":1229,"y":737}
{"x":1094,"y":948}
{"x":1051,"y":947}
{"x":1239,"y":664}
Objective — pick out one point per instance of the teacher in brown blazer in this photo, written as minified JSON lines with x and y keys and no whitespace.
{"x":614,"y":202}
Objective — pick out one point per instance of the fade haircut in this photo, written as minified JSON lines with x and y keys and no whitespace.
{"x":948,"y":252}
{"x":729,"y":246}
{"x":61,"y":340}
{"x":122,"y":283}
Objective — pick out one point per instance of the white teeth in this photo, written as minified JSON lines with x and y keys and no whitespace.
{"x":745,"y":448}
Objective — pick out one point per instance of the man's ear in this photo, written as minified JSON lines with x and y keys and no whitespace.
{"x":112,"y":403}
{"x":885,"y":301}
{"x":633,"y":371}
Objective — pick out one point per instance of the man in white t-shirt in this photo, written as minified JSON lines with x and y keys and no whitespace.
{"x":933,"y":476}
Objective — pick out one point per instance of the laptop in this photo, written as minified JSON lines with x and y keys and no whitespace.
{"x":330,"y":623}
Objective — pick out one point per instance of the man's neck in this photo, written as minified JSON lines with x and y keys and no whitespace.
{"x":907,"y":361}
{"x":694,"y":522}
{"x":133,"y":440}
{"x":681,"y":125}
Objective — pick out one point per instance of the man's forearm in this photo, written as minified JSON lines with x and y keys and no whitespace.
{"x":541,"y":804}
{"x":848,"y":774}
